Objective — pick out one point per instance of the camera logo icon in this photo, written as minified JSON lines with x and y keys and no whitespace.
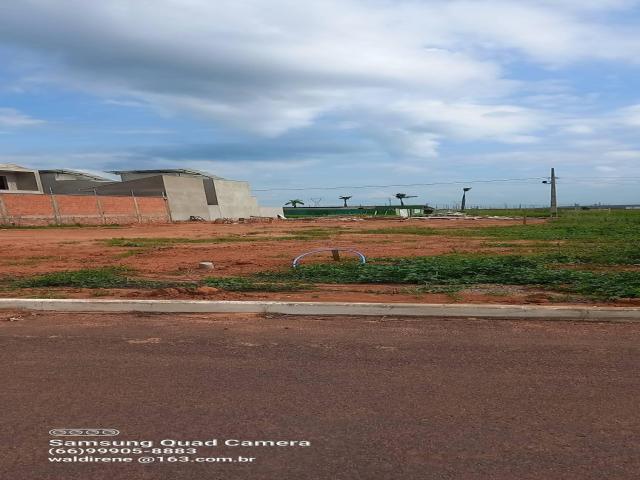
{"x":84,"y":432}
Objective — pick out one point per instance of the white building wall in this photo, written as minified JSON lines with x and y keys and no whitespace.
{"x":186,"y":197}
{"x":273,"y":212}
{"x":234,"y":200}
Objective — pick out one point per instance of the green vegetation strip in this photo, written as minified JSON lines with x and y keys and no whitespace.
{"x":245,"y":284}
{"x":584,"y":226}
{"x":576,"y":237}
{"x":413,"y":230}
{"x":431,"y":272}
{"x":105,"y":277}
{"x":152,"y":242}
{"x":119,"y":277}
{"x":469,"y":270}
{"x":156,"y":242}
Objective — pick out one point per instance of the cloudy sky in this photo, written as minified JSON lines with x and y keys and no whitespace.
{"x":330,"y":93}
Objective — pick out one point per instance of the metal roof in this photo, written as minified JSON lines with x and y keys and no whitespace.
{"x":12,"y":167}
{"x":78,"y":173}
{"x":185,"y":171}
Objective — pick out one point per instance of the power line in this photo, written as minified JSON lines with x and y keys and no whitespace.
{"x":345,"y":187}
{"x":601,"y":178}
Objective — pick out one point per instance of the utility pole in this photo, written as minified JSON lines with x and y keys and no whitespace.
{"x":554,"y":200}
{"x":553,"y":211}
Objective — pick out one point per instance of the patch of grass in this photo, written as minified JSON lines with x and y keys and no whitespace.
{"x":139,"y":242}
{"x":438,"y":288}
{"x":401,"y":231}
{"x":129,"y":253}
{"x":509,"y":212}
{"x":451,"y":290}
{"x":594,"y":253}
{"x":469,"y":270}
{"x":244,"y":284}
{"x":86,"y":278}
{"x":503,"y":244}
{"x":156,"y":242}
{"x":48,"y":294}
{"x":103,"y":277}
{"x":587,"y":225}
{"x":99,"y":293}
{"x":160,"y":242}
{"x":312,"y":233}
{"x":27,"y":260}
{"x":7,"y":285}
{"x":497,"y":293}
{"x":578,"y":237}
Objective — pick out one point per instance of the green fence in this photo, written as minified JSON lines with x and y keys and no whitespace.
{"x":379,"y":210}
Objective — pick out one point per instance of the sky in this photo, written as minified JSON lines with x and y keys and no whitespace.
{"x":415,"y":96}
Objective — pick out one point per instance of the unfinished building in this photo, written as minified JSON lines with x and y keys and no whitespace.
{"x":191,"y":193}
{"x":72,"y":182}
{"x":187,"y":194}
{"x":17,"y":179}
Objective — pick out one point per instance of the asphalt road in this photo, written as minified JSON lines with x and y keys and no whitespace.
{"x":377,"y":398}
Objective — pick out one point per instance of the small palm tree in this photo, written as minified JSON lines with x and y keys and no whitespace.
{"x":344,"y":198}
{"x":403,"y":196}
{"x":294,"y":203}
{"x":464,"y":198}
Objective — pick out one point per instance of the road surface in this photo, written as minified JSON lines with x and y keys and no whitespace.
{"x":376,"y":398}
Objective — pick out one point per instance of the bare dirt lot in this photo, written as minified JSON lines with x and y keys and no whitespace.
{"x":377,"y":398}
{"x":45,"y":250}
{"x":243,"y":249}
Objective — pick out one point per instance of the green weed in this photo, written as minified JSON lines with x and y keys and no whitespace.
{"x":592,"y":226}
{"x":244,"y":284}
{"x":469,"y":270}
{"x":509,"y":212}
{"x":446,"y":289}
{"x":401,"y":231}
{"x":159,"y":242}
{"x":104,"y":277}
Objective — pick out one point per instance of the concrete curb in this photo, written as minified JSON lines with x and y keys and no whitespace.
{"x":325,"y":308}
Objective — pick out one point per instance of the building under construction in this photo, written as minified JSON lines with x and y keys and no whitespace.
{"x":187,"y":195}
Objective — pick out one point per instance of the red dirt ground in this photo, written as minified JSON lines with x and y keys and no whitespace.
{"x":34,"y":251}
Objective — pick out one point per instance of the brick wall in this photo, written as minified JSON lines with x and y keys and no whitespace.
{"x":34,"y":209}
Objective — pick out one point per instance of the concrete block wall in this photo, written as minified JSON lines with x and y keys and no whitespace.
{"x":35,"y":209}
{"x":235,"y":200}
{"x":186,"y":197}
{"x":72,"y":187}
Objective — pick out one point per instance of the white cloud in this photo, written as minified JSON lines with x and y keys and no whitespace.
{"x":629,"y":116}
{"x":471,"y":121}
{"x":124,"y":103}
{"x":10,"y":117}
{"x":410,"y":143}
{"x":409,"y":75}
{"x":579,"y":129}
{"x":273,"y":66}
{"x":548,"y":32}
{"x":265,"y":67}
